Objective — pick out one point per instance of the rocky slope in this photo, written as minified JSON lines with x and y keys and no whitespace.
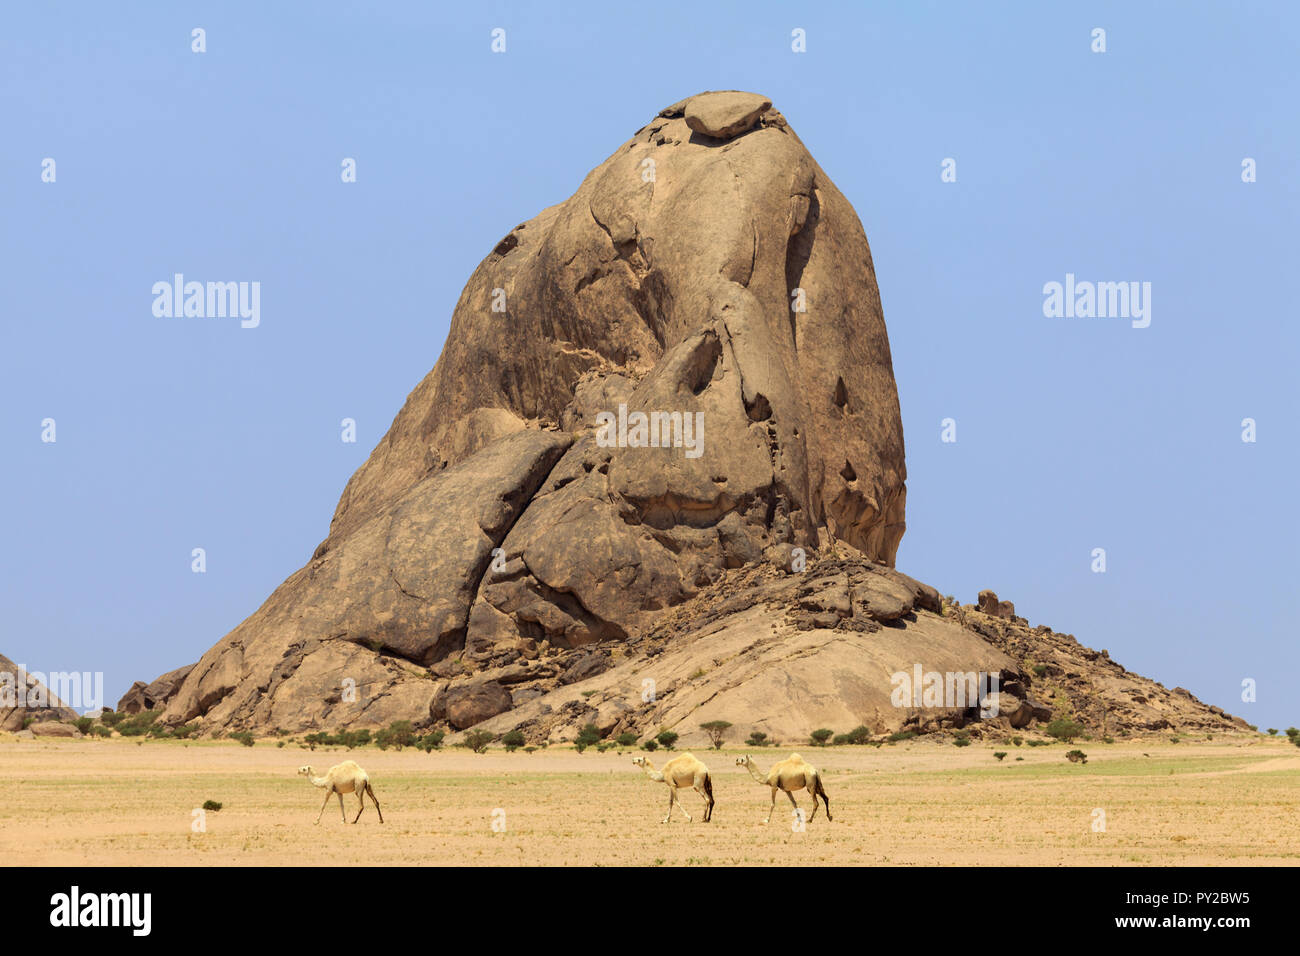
{"x":25,"y":702}
{"x":659,"y":400}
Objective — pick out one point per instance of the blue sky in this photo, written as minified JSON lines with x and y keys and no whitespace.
{"x":1072,"y":434}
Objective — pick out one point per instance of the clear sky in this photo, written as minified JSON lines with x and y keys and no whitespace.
{"x":1072,"y":433}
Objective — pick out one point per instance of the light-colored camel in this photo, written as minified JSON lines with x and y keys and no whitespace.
{"x":342,"y":778}
{"x":793,"y":773}
{"x":683,"y":771}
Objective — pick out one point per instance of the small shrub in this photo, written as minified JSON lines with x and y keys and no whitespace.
{"x":666,"y":739}
{"x":860,"y":734}
{"x":529,"y":750}
{"x":1000,"y":754}
{"x":397,"y":734}
{"x":431,"y":741}
{"x":757,"y":739}
{"x":1062,"y":728}
{"x":111,"y":718}
{"x":1272,"y":731}
{"x":101,"y":731}
{"x":1040,"y":670}
{"x":244,"y":737}
{"x":626,"y":739}
{"x":212,"y":805}
{"x":588,"y":736}
{"x":1076,"y":756}
{"x":650,"y":745}
{"x":900,"y":736}
{"x":477,"y":740}
{"x":819,"y":737}
{"x":1017,"y":740}
{"x":1038,"y":743}
{"x":83,"y":724}
{"x":513,"y":740}
{"x":1293,"y":732}
{"x":717,"y":730}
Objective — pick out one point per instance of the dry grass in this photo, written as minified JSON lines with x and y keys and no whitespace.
{"x":1230,"y":801}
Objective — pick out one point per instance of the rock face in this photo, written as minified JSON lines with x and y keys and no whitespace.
{"x":25,"y":700}
{"x":149,"y":696}
{"x":679,"y":367}
{"x":655,"y":478}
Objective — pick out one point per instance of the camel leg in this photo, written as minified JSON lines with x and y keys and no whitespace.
{"x":343,"y":813}
{"x":671,"y":797}
{"x":681,"y":806}
{"x":322,"y":806}
{"x":371,"y":790}
{"x":772,"y":808}
{"x":361,"y":799}
{"x":812,"y":792}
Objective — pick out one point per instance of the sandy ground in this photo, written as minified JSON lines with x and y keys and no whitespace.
{"x":1228,"y":801}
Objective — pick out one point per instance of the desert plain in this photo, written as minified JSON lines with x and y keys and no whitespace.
{"x":1230,"y":800}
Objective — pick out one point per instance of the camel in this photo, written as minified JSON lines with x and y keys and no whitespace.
{"x":683,"y":771}
{"x":793,"y":773}
{"x":342,"y":778}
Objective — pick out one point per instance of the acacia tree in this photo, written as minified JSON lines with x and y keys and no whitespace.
{"x":716,"y":729}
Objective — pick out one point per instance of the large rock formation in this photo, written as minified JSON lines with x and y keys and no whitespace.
{"x":708,"y":274}
{"x":26,"y":701}
{"x":661,"y":449}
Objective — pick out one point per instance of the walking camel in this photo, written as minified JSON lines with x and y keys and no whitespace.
{"x":683,"y":771}
{"x":793,"y":773}
{"x":342,"y":778}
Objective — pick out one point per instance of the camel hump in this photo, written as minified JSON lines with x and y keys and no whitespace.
{"x":796,"y":757}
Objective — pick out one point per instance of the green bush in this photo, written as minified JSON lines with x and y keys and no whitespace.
{"x":1038,"y":743}
{"x":100,"y":730}
{"x":431,"y":741}
{"x":211,"y":805}
{"x":111,"y":718}
{"x":819,"y":737}
{"x":83,"y":724}
{"x":650,"y":745}
{"x":513,"y":740}
{"x":1017,"y":740}
{"x":901,"y":735}
{"x":1000,"y":754}
{"x":478,"y":740}
{"x":397,"y":734}
{"x":626,"y":739}
{"x":1076,"y":756}
{"x":244,"y":737}
{"x":1293,"y":732}
{"x":961,"y":738}
{"x":140,"y":725}
{"x":1272,"y":731}
{"x":666,"y":739}
{"x":757,"y":739}
{"x":717,"y":731}
{"x":1062,"y":728}
{"x":588,"y":736}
